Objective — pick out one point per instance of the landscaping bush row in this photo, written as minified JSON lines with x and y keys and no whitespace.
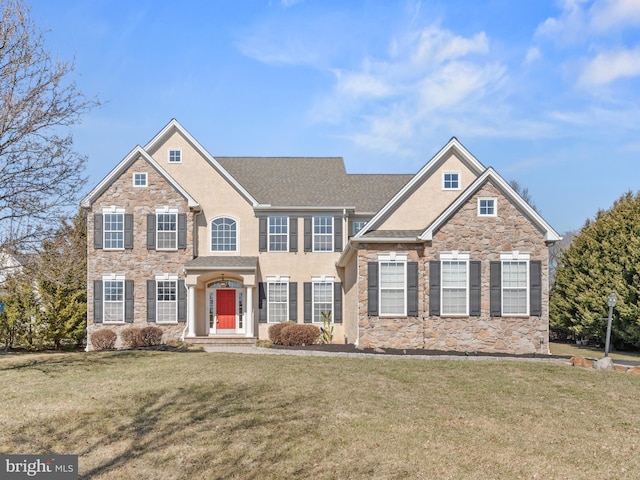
{"x":293,"y":334}
{"x":105,"y":339}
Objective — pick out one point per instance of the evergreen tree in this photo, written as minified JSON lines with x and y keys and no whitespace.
{"x":61,"y":274}
{"x":604,"y":257}
{"x":20,"y":321}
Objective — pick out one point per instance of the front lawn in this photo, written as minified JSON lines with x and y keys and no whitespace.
{"x":148,"y":415}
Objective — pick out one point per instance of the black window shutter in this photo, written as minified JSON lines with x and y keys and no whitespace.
{"x":337,"y":234}
{"x":308,"y":238}
{"x":535,"y":285}
{"x":262,"y":234}
{"x":97,"y":231}
{"x":475,"y":281}
{"x":182,"y":231}
{"x":372,"y":289}
{"x":182,"y":301}
{"x":293,"y":301}
{"x":128,"y":301}
{"x":293,"y":234}
{"x":434,"y":288}
{"x":128,"y":231}
{"x":337,"y":302}
{"x":262,"y":303}
{"x":151,"y":231}
{"x":97,"y":301}
{"x":495,"y":289}
{"x":308,"y":302}
{"x":151,"y":300}
{"x":412,"y":289}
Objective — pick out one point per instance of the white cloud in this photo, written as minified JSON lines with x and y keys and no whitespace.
{"x":533,"y":54}
{"x":388,"y":101}
{"x":362,"y":84}
{"x":609,"y":14}
{"x":608,"y":67}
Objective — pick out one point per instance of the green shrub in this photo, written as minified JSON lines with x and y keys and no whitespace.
{"x":276,"y":330}
{"x":131,"y":337}
{"x":299,"y":334}
{"x":104,"y":339}
{"x":150,"y":336}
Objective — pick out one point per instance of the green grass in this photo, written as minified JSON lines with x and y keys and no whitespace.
{"x":574,"y":350}
{"x":208,"y":416}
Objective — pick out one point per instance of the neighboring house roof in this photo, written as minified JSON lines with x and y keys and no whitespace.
{"x":452,"y":146}
{"x":126,"y":163}
{"x":550,"y":235}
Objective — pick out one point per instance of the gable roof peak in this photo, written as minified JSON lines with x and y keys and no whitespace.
{"x":550,"y":235}
{"x":126,"y":162}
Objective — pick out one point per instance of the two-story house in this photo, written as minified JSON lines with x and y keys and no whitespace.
{"x":217,"y":249}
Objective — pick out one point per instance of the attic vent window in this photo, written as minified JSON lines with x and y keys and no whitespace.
{"x":140,"y":179}
{"x":175,"y":155}
{"x":451,"y":181}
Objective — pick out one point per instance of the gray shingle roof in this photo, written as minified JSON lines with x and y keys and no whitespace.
{"x":214,"y":262}
{"x":311,"y":181}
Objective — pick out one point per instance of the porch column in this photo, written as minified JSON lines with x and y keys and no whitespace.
{"x":191,"y":311}
{"x":249,"y":319}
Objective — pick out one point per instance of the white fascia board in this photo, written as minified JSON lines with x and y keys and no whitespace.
{"x":452,"y":144}
{"x":296,"y":208}
{"x":175,"y":125}
{"x":550,"y":234}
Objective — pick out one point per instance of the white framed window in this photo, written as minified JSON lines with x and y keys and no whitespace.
{"x":393,"y":284}
{"x":278,"y":234}
{"x":224,"y":235}
{"x":357,"y":226}
{"x":451,"y":181}
{"x":322,"y":298}
{"x":323,"y":234}
{"x":113,"y":228}
{"x":113,"y":298}
{"x":175,"y":155}
{"x":277,"y":299}
{"x":454,"y":283}
{"x":487,"y":207}
{"x":166,"y":229}
{"x":515,"y":284}
{"x":166,"y":299}
{"x":140,"y":179}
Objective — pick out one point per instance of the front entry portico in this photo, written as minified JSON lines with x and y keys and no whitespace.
{"x":220,"y":299}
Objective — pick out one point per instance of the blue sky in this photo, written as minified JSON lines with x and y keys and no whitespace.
{"x":546,"y":92}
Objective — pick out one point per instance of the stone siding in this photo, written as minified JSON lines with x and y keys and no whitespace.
{"x":137,"y":264}
{"x":484,"y":238}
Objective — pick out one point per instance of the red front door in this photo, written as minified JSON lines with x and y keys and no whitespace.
{"x":226,"y":309}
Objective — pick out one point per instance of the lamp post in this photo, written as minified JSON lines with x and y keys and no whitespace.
{"x":611,"y":301}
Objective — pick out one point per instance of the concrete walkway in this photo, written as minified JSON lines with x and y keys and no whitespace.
{"x":317,"y":353}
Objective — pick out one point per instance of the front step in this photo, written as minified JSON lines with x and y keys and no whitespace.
{"x":222,"y":341}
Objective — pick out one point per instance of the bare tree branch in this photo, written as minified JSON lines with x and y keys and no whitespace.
{"x":40,"y":174}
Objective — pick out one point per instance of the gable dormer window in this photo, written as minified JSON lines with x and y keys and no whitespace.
{"x":175,"y":155}
{"x":451,"y":181}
